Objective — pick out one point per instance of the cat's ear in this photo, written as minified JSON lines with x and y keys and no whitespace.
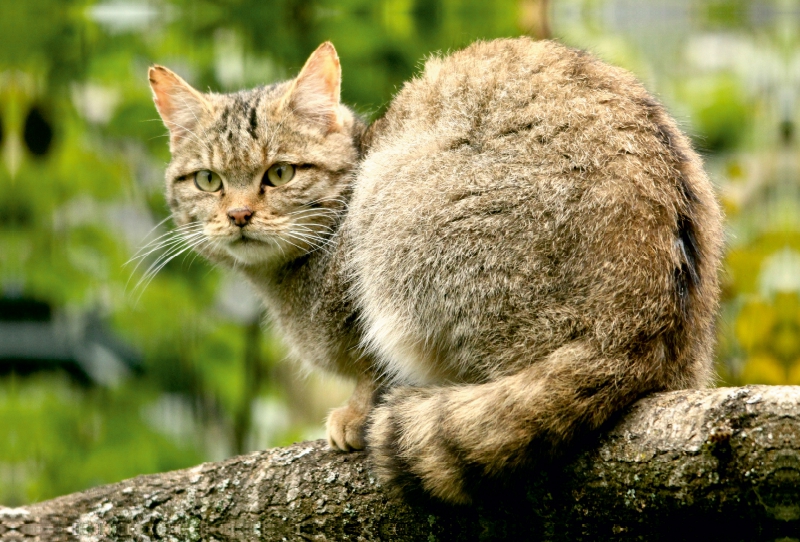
{"x":315,"y":93}
{"x":181,"y":107}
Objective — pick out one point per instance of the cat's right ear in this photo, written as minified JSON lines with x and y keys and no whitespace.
{"x":181,"y":107}
{"x":314,"y":94}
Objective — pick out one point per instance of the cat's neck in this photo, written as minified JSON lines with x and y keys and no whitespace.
{"x":308,"y":303}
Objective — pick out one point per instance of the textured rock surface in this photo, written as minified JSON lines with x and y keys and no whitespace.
{"x":721,"y":464}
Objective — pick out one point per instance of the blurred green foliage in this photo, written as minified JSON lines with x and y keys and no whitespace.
{"x":720,"y":111}
{"x":212,"y":384}
{"x":96,"y":436}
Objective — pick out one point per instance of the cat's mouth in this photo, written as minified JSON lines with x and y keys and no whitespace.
{"x":246,"y":243}
{"x":244,"y":239}
{"x":250,"y":250}
{"x":241,"y":242}
{"x":257,"y":247}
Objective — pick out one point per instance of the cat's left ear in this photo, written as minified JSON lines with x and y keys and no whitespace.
{"x":181,"y":107}
{"x":315,"y":93}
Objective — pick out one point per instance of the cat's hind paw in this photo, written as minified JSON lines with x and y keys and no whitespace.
{"x":346,"y":429}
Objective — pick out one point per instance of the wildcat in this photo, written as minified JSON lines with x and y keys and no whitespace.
{"x":521,"y":246}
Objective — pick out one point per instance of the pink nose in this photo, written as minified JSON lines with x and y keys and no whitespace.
{"x":240,"y":216}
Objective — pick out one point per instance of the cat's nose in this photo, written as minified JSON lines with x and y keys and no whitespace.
{"x":240,"y":216}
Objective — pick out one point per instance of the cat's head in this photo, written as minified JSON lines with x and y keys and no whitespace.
{"x":259,"y":175}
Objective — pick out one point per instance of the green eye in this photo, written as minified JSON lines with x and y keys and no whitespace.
{"x":279,"y":174}
{"x":207,"y":181}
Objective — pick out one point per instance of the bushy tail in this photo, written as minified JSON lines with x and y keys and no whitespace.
{"x":444,"y":439}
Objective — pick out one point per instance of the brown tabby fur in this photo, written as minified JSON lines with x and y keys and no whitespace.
{"x":524,"y":244}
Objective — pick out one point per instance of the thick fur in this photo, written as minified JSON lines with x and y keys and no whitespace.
{"x":528,"y":245}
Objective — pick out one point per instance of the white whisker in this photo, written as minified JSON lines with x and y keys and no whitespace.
{"x":161,"y":223}
{"x":314,"y":228}
{"x":171,"y":232}
{"x":185,"y":227}
{"x":294,"y":245}
{"x":164,"y":260}
{"x":315,"y":242}
{"x":173,"y":243}
{"x":158,"y":242}
{"x":177,"y":238}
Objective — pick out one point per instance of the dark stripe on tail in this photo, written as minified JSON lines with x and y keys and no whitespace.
{"x":398,"y":469}
{"x":469,"y":472}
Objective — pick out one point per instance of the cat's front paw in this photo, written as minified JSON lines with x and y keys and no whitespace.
{"x":346,"y":429}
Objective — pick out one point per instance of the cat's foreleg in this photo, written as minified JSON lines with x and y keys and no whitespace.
{"x":346,"y":425}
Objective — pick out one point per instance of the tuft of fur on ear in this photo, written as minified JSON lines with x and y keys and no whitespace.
{"x":315,"y":92}
{"x":181,"y":107}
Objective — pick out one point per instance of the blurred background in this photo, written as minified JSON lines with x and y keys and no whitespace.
{"x":104,"y":376}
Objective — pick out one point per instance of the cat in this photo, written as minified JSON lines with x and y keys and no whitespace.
{"x":524,"y":244}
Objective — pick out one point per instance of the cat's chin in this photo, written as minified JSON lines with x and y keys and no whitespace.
{"x":252,"y":252}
